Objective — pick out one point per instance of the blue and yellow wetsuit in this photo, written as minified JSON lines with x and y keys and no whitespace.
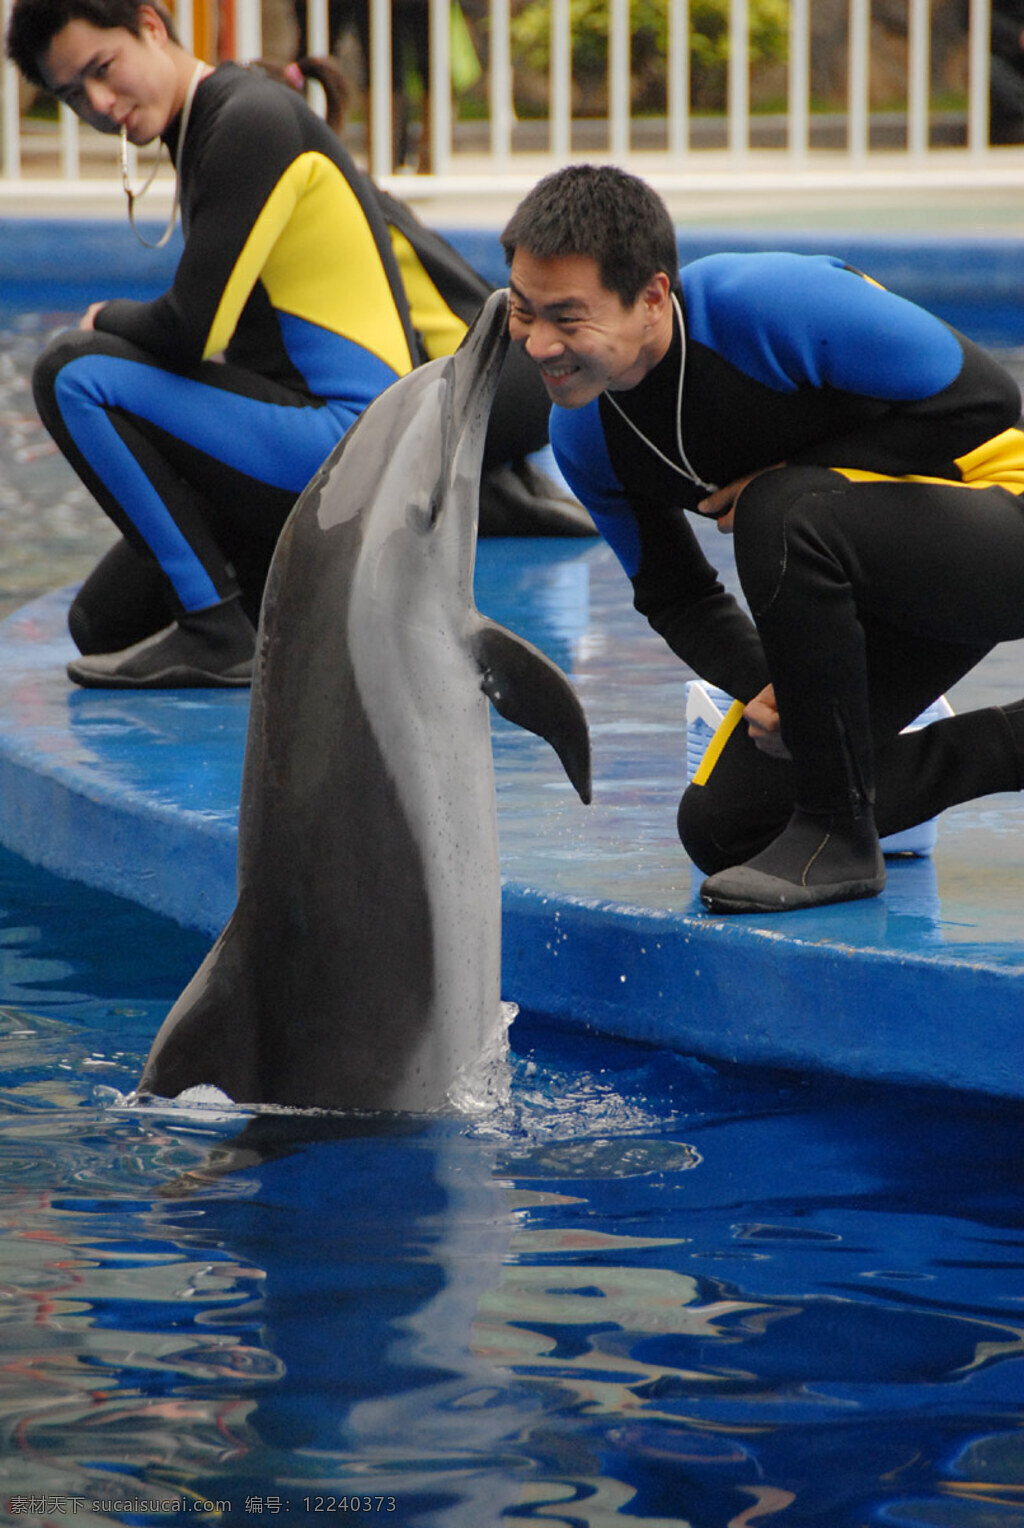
{"x":196,"y":419}
{"x":880,"y":562}
{"x":287,"y":273}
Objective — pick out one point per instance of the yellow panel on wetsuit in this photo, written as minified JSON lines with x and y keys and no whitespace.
{"x":311,"y":204}
{"x":998,"y":463}
{"x":440,"y":329}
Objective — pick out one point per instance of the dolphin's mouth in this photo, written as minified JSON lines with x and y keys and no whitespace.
{"x":478,"y":361}
{"x":472,"y":374}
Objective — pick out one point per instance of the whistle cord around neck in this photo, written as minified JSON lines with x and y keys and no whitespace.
{"x":685,"y":471}
{"x":136,"y":196}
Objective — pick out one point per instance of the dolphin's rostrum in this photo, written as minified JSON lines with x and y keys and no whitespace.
{"x":361,"y":967}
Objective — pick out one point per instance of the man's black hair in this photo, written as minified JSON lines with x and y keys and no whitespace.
{"x":600,"y":211}
{"x":35,"y":23}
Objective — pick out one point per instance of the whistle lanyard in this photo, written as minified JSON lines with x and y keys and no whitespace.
{"x":685,"y":470}
{"x":136,"y":196}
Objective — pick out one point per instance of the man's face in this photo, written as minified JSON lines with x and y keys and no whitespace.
{"x":581,"y":336}
{"x":112,"y":79}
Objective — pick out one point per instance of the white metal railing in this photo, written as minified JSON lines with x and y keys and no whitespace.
{"x":496,"y":153}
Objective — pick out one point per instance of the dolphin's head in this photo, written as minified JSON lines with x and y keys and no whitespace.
{"x":472,"y":379}
{"x":467,"y":384}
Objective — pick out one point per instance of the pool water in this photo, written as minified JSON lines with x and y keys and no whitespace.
{"x":51,"y":529}
{"x":643,"y":1291}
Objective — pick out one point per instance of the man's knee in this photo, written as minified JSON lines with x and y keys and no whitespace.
{"x":48,"y":365}
{"x":718,"y":829}
{"x":696,"y":825}
{"x":774,"y":494}
{"x":67,"y":346}
{"x":74,"y":344}
{"x":70,"y":345}
{"x":743,"y":802}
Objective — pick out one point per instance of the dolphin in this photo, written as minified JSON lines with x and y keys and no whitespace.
{"x":361,"y":967}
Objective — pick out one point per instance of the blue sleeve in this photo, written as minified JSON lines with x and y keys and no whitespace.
{"x":674,"y":585}
{"x":794,"y":321}
{"x":577,"y":440}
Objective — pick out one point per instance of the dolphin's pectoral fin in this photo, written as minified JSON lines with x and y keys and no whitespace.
{"x":528,"y":689}
{"x":208,"y":1035}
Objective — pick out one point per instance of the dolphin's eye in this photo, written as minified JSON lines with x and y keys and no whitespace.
{"x":423,"y":513}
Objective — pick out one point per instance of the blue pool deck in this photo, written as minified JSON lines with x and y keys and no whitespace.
{"x":137,"y":794}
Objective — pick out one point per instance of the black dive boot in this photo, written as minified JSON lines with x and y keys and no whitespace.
{"x":212,"y":648}
{"x":816,"y":859}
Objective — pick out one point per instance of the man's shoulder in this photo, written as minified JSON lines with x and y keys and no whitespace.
{"x":740,"y":275}
{"x":266,"y":118}
{"x":234,"y":93}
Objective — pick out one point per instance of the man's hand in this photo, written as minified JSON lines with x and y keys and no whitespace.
{"x":720,"y":506}
{"x":762,"y":717}
{"x":88,"y":318}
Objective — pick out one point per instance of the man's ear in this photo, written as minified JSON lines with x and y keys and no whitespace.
{"x":656,"y":295}
{"x":151,"y":22}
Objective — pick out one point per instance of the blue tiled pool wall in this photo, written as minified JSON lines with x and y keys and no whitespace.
{"x":972,"y":282}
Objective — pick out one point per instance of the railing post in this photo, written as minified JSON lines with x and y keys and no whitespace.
{"x":918,"y":76}
{"x":379,"y":69}
{"x":318,"y":30}
{"x":859,"y":82}
{"x":619,"y":78}
{"x":12,"y":108}
{"x":69,"y":161}
{"x":184,"y":25}
{"x":499,"y":83}
{"x":678,"y":83}
{"x":560,"y":83}
{"x":739,"y":78}
{"x":248,"y":30}
{"x":439,"y":124}
{"x":978,"y":89}
{"x":798,"y":94}
{"x":317,"y":43}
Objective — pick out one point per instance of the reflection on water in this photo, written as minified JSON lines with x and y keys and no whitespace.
{"x":642,"y":1292}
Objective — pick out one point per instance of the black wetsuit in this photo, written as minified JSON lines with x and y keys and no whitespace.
{"x":880,"y":563}
{"x":197,"y":419}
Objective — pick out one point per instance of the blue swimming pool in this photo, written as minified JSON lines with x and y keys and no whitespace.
{"x":644,"y":1291}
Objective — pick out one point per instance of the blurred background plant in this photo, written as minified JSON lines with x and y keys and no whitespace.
{"x":709,"y":50}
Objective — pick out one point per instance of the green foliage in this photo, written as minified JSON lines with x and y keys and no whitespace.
{"x":709,"y":36}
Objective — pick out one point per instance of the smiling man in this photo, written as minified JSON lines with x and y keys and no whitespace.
{"x":869,"y":461}
{"x":137,"y":82}
{"x":582,"y":336}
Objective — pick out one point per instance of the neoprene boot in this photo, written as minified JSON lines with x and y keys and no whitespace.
{"x":816,"y":859}
{"x":212,"y":648}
